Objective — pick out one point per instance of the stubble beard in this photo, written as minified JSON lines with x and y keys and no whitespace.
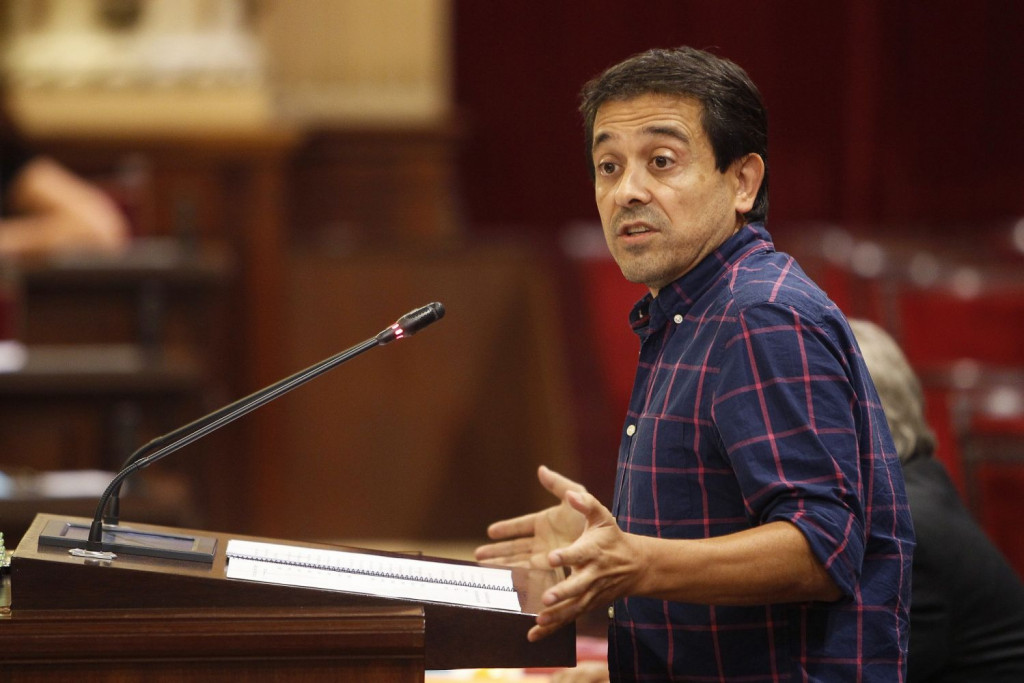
{"x":641,"y":263}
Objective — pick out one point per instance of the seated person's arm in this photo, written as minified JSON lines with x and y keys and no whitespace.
{"x":51,"y":209}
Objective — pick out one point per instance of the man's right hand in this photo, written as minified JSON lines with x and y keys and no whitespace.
{"x":526,"y":541}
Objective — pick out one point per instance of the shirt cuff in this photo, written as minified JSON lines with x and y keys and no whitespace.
{"x":836,"y":540}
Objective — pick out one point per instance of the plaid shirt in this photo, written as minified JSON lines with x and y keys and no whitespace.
{"x":751,"y":405}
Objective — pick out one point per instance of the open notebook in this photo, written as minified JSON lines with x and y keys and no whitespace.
{"x":371,"y":574}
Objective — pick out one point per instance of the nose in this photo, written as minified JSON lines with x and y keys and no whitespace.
{"x":632,"y":187}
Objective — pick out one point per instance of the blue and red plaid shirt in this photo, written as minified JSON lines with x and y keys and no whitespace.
{"x":752,"y":405}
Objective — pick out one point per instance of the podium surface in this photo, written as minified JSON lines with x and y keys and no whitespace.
{"x":132,"y":596}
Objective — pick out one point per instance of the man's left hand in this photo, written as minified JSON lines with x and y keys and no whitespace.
{"x":604,"y":561}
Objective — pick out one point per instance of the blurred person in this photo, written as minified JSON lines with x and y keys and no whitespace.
{"x":759,"y":528}
{"x":45,"y":208}
{"x":967,"y":602}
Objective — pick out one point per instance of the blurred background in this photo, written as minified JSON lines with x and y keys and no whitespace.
{"x":298,"y":173}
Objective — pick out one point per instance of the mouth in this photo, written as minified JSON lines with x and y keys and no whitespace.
{"x":631,"y":229}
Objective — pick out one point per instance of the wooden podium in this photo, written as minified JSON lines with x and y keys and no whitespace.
{"x":179,"y":619}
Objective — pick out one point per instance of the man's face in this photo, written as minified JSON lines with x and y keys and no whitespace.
{"x":663,"y":205}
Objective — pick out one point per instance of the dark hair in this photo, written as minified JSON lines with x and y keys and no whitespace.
{"x":732,"y":112}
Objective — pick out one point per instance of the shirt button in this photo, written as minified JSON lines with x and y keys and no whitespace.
{"x":611,"y":612}
{"x":630,"y":430}
{"x":678,"y":318}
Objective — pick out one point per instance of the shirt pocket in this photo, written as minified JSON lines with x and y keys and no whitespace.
{"x":663,"y":480}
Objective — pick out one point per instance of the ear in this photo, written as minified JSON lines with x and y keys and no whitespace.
{"x":748,"y":172}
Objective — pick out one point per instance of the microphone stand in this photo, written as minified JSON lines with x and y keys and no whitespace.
{"x":183,"y":436}
{"x":163,"y":446}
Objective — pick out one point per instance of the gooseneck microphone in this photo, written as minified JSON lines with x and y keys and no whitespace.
{"x":408,"y":325}
{"x":411,"y":323}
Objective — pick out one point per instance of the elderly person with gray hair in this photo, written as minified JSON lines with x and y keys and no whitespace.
{"x":967,"y":603}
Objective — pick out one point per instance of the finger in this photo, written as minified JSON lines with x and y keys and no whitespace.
{"x":556,"y":483}
{"x":525,"y":561}
{"x":579,"y":501}
{"x":514,"y":527}
{"x":538,"y":632}
{"x":553,"y":618}
{"x":513,"y":548}
{"x":574,"y":555}
{"x":501,"y":558}
{"x":572,"y":587}
{"x":591,"y":508}
{"x":560,"y":614}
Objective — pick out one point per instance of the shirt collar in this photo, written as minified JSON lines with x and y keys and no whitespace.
{"x":652,"y":313}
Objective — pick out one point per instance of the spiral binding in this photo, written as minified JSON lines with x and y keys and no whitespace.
{"x":370,"y":572}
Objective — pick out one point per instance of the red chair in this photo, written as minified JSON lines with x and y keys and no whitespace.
{"x":990,"y":434}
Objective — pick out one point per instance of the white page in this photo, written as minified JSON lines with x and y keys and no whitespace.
{"x":469,"y":585}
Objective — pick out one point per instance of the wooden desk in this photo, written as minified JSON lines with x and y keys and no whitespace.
{"x":45,"y":578}
{"x":158,"y":292}
{"x":228,"y":187}
{"x":100,"y":370}
{"x":372,"y":644}
{"x":122,"y":348}
{"x":311,"y":643}
{"x":86,"y":407}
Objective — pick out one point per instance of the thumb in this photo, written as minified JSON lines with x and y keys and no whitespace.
{"x":557,"y":483}
{"x":589,"y":507}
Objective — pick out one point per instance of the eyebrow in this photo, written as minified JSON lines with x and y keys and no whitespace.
{"x":653,"y":131}
{"x":667,"y":131}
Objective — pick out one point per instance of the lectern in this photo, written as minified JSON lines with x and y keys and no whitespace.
{"x":172,"y":619}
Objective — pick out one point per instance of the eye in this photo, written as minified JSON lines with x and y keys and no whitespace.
{"x":661,"y":161}
{"x":606,"y":167}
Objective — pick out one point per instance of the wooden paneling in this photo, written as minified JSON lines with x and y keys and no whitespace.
{"x":229,"y":189}
{"x":353,"y":187}
{"x":434,"y":436}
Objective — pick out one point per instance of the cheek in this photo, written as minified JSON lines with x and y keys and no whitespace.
{"x":605,"y":205}
{"x":701,"y":200}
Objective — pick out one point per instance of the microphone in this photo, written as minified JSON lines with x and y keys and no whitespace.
{"x":406,"y":326}
{"x":411,"y":323}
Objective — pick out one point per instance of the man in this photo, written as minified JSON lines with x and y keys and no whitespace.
{"x":759,"y":529}
{"x":967,"y":606}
